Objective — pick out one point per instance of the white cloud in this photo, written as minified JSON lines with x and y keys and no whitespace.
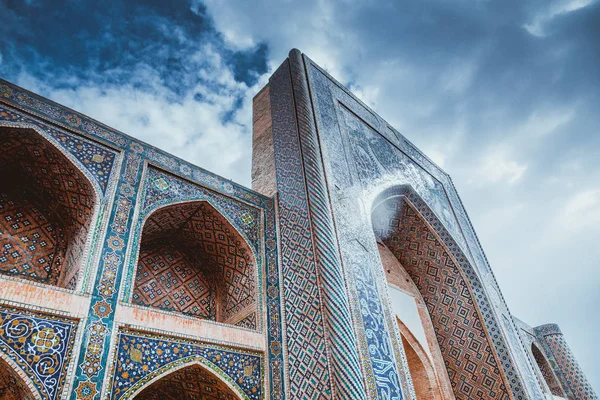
{"x":497,"y":167}
{"x":553,"y":9}
{"x":581,"y":211}
{"x":191,"y":129}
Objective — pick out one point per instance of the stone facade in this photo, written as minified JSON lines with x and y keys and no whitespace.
{"x":350,"y":271}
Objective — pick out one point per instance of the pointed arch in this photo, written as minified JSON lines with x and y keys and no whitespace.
{"x":399,"y":222}
{"x":15,"y":383}
{"x":48,"y":206}
{"x":160,"y":380}
{"x":192,"y":260}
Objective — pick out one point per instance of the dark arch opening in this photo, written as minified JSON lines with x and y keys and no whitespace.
{"x":546,"y":371}
{"x":46,"y":209}
{"x":12,"y":387}
{"x":467,"y":352}
{"x":193,"y":261}
{"x":192,"y":382}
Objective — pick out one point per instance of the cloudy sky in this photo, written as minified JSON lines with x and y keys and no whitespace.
{"x":504,"y":95}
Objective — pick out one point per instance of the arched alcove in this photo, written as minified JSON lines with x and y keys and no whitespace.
{"x":458,"y":327}
{"x":12,"y":386}
{"x":546,"y":371}
{"x":46,"y":209}
{"x":191,"y":382}
{"x":193,"y":261}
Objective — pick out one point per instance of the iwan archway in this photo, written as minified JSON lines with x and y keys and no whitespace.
{"x":414,"y":256}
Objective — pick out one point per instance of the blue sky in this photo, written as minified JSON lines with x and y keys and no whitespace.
{"x":504,"y":95}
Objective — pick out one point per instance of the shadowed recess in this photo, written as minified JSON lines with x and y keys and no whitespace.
{"x":46,"y":208}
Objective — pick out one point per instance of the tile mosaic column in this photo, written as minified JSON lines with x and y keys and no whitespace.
{"x":321,"y":347}
{"x":93,"y":356}
{"x":566,"y":366}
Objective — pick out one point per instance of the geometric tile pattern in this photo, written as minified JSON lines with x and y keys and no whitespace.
{"x":473,"y":370}
{"x":248,"y":322}
{"x":12,"y":386}
{"x":95,"y":160}
{"x":33,"y":243}
{"x":40,"y":345}
{"x":169,"y":280}
{"x":193,"y":261}
{"x":569,"y":367}
{"x":345,"y":365}
{"x":142,"y":357}
{"x":43,"y":178}
{"x":546,"y":371}
{"x":193,"y":382}
{"x":242,"y":206}
{"x":309,"y":375}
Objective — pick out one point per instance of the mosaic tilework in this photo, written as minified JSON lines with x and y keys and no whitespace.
{"x":96,"y":160}
{"x":193,"y":382}
{"x":162,"y":188}
{"x":572,"y":373}
{"x":93,"y":354}
{"x":248,"y":322}
{"x":205,"y":255}
{"x":169,"y":280}
{"x":35,"y":166}
{"x":380,"y":348}
{"x":468,"y":356}
{"x":345,"y":364}
{"x":12,"y":386}
{"x":143,"y":357}
{"x":40,"y":345}
{"x":309,"y":374}
{"x":33,"y":244}
{"x":389,"y":159}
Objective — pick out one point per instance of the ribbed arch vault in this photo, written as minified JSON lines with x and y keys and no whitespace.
{"x":193,"y":261}
{"x":46,"y":209}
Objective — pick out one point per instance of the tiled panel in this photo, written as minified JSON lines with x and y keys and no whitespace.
{"x":470,"y":362}
{"x":33,"y":243}
{"x":169,"y":280}
{"x":192,"y":382}
{"x":32,"y":165}
{"x":141,"y":358}
{"x":191,"y":258}
{"x":309,"y":374}
{"x":40,"y":345}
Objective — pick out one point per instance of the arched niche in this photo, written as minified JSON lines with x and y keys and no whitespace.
{"x":546,"y":371}
{"x":13,"y":386}
{"x":192,"y":381}
{"x":46,"y":210}
{"x":467,"y":351}
{"x":193,"y":261}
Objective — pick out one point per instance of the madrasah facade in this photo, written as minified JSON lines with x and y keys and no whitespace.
{"x":350,"y":269}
